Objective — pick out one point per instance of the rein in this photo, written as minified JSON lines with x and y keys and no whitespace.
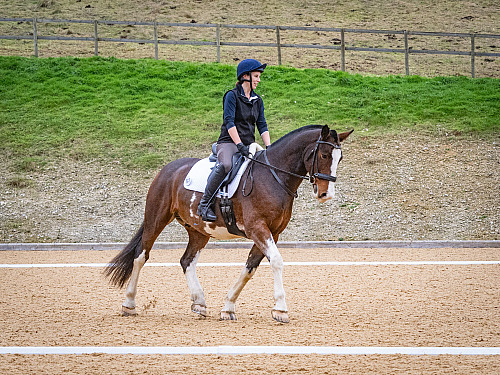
{"x":312,"y":177}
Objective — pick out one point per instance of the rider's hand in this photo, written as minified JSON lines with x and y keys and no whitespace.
{"x":244,"y":150}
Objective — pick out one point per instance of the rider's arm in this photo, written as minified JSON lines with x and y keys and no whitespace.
{"x":233,"y":133}
{"x":266,"y":138}
{"x":229,"y":115}
{"x":229,"y":110}
{"x":262,"y":127}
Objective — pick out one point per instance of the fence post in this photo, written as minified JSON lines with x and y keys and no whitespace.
{"x":278,"y":44}
{"x":217,"y":39}
{"x":342,"y":49}
{"x":407,"y":53}
{"x":155,"y":26}
{"x":35,"y":37}
{"x":96,"y":40}
{"x":472,"y":55}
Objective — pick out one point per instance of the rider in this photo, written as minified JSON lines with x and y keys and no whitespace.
{"x":243,"y":109}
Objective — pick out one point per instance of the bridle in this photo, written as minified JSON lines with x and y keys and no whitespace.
{"x":317,"y":175}
{"x":311,"y":177}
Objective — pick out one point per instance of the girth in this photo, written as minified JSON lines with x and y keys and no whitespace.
{"x":226,"y":204}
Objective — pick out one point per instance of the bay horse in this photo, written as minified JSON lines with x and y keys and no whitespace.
{"x":262,"y":214}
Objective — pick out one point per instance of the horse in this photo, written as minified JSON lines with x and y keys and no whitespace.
{"x":262,"y":213}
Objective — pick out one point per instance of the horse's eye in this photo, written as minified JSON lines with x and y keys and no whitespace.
{"x":324,"y":156}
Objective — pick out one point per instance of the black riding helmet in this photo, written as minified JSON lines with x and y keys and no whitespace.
{"x":247,"y":66}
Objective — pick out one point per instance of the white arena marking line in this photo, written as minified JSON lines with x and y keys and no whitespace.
{"x":239,"y":350}
{"x":396,"y":263}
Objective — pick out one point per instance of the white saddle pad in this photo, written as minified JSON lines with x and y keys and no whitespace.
{"x":197,"y":177}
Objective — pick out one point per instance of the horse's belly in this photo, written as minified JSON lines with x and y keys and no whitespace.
{"x":189,"y":217}
{"x":219,"y":233}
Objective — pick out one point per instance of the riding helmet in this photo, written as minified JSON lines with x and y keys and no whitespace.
{"x":249,"y":65}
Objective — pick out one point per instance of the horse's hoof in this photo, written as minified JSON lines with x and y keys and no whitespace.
{"x":226,"y":315}
{"x":126,"y":311}
{"x":199,"y":309}
{"x":280,"y":316}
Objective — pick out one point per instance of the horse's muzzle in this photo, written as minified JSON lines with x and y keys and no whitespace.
{"x":322,"y":197}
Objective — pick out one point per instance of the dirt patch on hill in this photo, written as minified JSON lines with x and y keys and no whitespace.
{"x":389,"y":188}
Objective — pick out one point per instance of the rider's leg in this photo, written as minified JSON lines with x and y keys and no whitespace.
{"x":225,"y":152}
{"x":205,"y":209}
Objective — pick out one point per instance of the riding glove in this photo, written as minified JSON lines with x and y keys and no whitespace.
{"x":244,"y":150}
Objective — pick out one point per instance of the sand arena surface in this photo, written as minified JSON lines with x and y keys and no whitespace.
{"x":363,"y":305}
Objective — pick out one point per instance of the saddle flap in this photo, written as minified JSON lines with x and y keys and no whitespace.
{"x":237,"y":161}
{"x":196,"y":179}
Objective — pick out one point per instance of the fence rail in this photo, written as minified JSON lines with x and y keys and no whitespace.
{"x":218,"y":43}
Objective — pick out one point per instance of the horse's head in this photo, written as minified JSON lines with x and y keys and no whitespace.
{"x":322,"y":161}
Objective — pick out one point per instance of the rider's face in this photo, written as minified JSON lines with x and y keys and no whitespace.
{"x":255,"y":79}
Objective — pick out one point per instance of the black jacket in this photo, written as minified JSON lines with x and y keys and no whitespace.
{"x":243,"y":113}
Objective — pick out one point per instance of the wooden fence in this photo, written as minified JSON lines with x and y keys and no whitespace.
{"x":218,"y":43}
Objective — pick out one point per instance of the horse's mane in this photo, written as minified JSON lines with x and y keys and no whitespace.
{"x":295,"y":132}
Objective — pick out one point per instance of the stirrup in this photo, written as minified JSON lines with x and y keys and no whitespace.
{"x":207,"y":213}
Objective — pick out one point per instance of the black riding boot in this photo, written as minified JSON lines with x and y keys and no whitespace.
{"x":206,"y":210}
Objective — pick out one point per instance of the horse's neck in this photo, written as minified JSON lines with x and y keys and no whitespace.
{"x":291,"y":157}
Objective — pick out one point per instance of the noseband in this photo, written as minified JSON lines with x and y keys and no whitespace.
{"x":312,"y":177}
{"x":320,"y":176}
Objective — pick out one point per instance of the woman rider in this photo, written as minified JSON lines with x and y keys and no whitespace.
{"x":243,"y":109}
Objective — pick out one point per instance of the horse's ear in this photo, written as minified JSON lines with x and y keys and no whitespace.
{"x":325,"y":132}
{"x":343,"y":136}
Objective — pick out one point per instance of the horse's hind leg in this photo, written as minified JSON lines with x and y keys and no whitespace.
{"x":197,"y":241}
{"x":128,"y":306}
{"x":254,"y":258}
{"x":152,"y":227}
{"x":126,"y":266}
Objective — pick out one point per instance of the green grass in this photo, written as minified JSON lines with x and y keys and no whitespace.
{"x":147,"y":112}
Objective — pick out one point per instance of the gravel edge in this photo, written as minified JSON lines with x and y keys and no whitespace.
{"x":247,"y":244}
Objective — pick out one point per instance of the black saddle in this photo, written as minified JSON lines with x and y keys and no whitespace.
{"x":237,"y":162}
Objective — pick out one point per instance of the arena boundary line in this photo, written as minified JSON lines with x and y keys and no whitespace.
{"x":248,"y":244}
{"x":240,"y":264}
{"x":245,"y":350}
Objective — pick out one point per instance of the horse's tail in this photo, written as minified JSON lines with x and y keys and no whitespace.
{"x":121,"y":266}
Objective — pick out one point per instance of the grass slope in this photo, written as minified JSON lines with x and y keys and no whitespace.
{"x":145,"y":112}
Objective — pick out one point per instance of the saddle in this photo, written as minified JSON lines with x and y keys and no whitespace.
{"x":197,"y":177}
{"x":236,"y":164}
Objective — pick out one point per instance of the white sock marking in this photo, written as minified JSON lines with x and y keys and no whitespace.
{"x":134,"y":279}
{"x":197,"y":295}
{"x":276,"y":260}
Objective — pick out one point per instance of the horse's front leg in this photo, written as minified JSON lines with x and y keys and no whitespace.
{"x":280,"y":311}
{"x":254,"y":258}
{"x":188,"y":262}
